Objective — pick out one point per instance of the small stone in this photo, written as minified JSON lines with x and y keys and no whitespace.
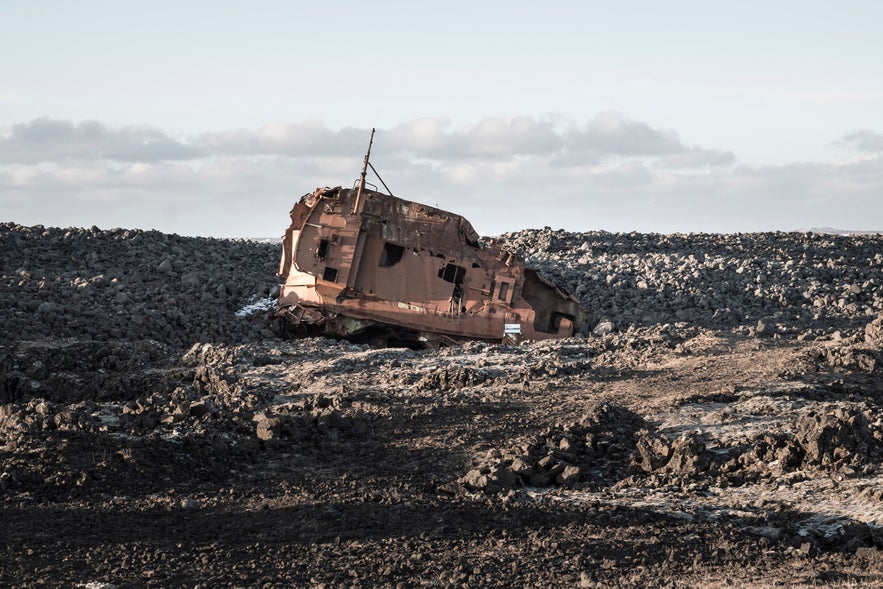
{"x":546,"y":462}
{"x":266,"y":428}
{"x":807,"y":549}
{"x":201,"y":408}
{"x":604,"y":327}
{"x":763,"y":329}
{"x":654,"y":450}
{"x":476,"y":479}
{"x":789,"y":456}
{"x":502,"y":477}
{"x":49,"y":308}
{"x":569,"y":476}
{"x":520,"y":467}
{"x":190,"y":504}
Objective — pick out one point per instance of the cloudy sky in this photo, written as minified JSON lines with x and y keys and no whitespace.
{"x":212,"y":118}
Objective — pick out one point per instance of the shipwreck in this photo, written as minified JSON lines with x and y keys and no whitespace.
{"x":369,"y":266}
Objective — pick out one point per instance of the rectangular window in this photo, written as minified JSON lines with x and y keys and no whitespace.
{"x":503,"y":291}
{"x":452,"y":273}
{"x":322,"y":250}
{"x":330,"y":274}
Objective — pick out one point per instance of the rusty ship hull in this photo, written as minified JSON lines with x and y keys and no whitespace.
{"x":357,"y":262}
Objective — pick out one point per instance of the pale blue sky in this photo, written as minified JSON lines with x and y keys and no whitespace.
{"x":652,"y":116}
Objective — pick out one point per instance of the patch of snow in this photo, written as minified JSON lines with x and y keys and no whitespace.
{"x":264,"y":304}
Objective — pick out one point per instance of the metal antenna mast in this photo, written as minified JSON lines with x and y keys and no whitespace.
{"x":358,"y":204}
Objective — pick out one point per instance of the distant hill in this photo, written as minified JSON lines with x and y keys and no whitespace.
{"x":833,"y":231}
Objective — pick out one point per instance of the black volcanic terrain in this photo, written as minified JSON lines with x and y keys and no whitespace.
{"x":719,"y":423}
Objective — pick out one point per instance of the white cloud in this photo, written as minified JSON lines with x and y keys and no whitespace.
{"x":607,"y":135}
{"x":502,"y":173}
{"x":48,"y":140}
{"x":428,"y":137}
{"x":627,"y":174}
{"x":310,"y":138}
{"x":489,"y":138}
{"x":613,"y":132}
{"x":864,"y":140}
{"x":697,"y":158}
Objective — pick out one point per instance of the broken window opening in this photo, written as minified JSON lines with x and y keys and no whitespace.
{"x":330,"y":274}
{"x":452,"y":273}
{"x":391,"y":255}
{"x":457,"y":307}
{"x":322,"y":250}
{"x":555,"y":322}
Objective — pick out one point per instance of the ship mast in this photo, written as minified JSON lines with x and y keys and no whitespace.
{"x":357,"y":206}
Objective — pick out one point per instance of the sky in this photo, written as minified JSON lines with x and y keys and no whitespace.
{"x":213,"y":118}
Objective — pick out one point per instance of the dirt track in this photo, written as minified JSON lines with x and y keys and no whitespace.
{"x":667,"y":455}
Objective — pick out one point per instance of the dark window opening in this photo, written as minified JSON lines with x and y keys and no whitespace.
{"x":475,"y":265}
{"x":452,"y":273}
{"x":330,"y":274}
{"x":392,"y":254}
{"x":503,"y":291}
{"x":322,"y":250}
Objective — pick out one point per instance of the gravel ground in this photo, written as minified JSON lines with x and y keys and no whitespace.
{"x":722,"y":427}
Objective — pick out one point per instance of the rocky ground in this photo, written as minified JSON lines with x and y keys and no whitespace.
{"x":722,"y":426}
